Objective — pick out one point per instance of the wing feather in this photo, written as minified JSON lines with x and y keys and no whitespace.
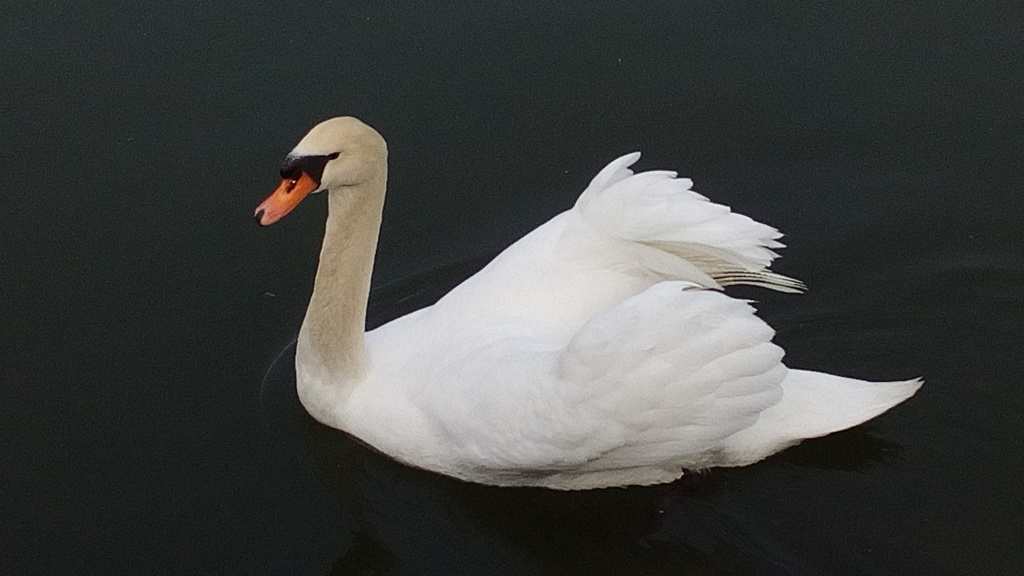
{"x":680,"y":368}
{"x":658,"y":209}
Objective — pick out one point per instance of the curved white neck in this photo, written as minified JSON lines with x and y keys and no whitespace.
{"x":331,"y":344}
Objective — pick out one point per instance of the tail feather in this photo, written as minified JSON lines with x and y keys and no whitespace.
{"x":815,"y":404}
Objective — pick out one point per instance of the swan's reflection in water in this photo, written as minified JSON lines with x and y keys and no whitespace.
{"x":409,"y":521}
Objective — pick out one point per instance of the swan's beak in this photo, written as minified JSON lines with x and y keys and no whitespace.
{"x":287,"y":196}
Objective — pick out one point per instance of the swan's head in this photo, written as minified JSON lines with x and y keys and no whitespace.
{"x":335,"y":154}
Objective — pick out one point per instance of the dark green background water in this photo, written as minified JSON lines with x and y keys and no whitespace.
{"x":140,"y":306}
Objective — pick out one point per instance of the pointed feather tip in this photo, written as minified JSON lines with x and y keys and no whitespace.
{"x":616,"y":171}
{"x":627,"y":159}
{"x":910,"y":386}
{"x":890,"y":394}
{"x":621,"y":163}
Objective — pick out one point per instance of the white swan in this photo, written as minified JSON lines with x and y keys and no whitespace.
{"x":596,"y":351}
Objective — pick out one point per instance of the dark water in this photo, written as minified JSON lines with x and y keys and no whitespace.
{"x":142,"y":433}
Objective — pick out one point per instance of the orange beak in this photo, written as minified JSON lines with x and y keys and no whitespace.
{"x":287,"y":196}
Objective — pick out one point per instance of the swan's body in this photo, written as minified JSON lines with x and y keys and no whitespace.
{"x":596,"y":351}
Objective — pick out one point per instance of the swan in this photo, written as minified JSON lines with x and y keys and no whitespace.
{"x":599,"y":350}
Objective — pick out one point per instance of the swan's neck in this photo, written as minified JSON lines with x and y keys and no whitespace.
{"x":331,"y":344}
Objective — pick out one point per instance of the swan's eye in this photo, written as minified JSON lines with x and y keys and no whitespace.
{"x":295,"y":167}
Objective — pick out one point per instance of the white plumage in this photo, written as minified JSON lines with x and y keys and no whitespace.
{"x":596,"y":351}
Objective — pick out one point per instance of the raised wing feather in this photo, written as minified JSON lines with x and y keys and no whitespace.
{"x":660,"y":210}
